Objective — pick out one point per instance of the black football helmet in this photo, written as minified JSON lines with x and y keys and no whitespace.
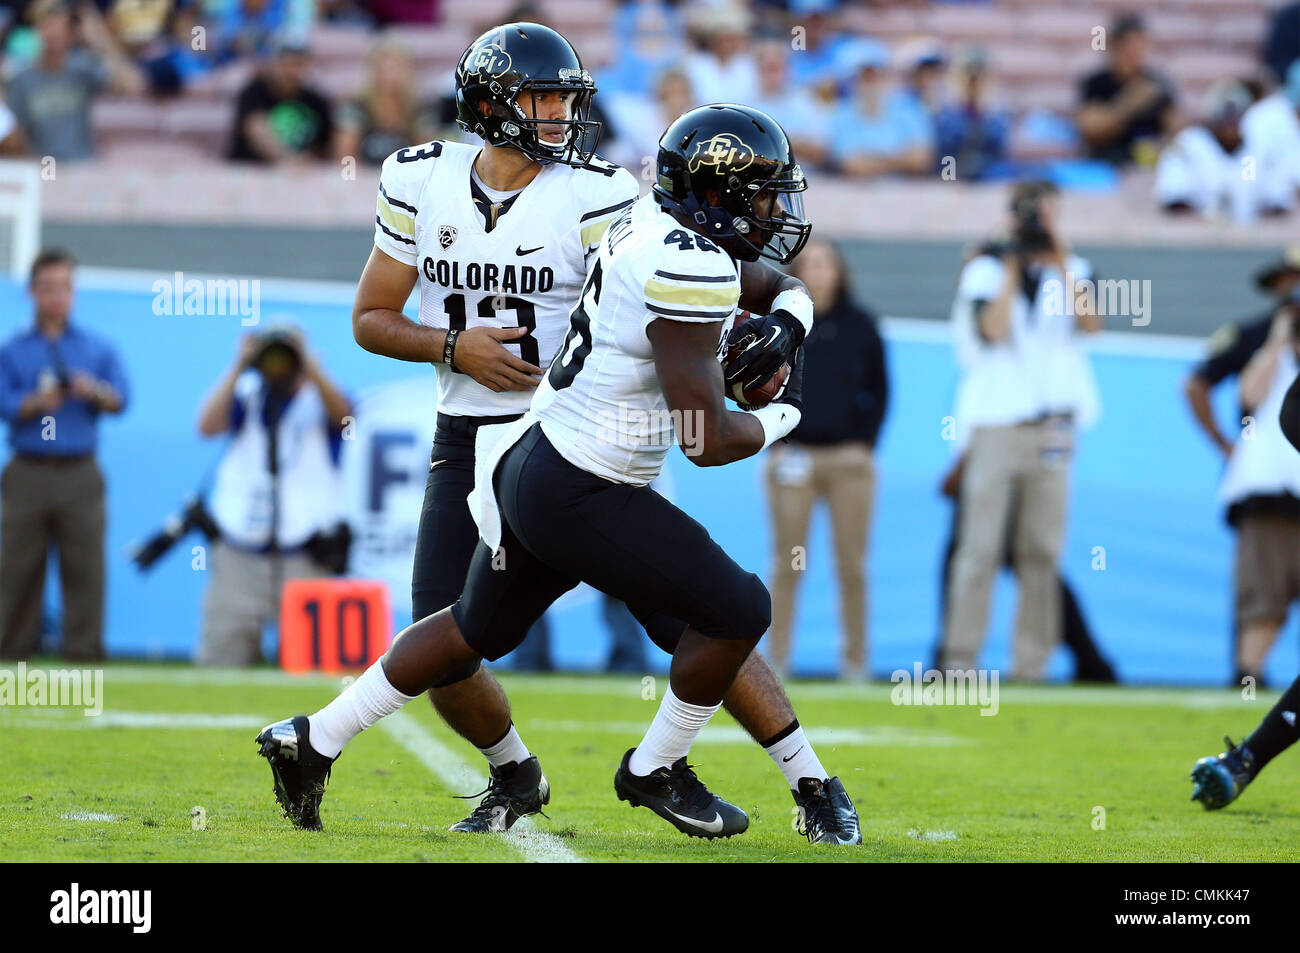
{"x":743,"y":156}
{"x":525,"y":59}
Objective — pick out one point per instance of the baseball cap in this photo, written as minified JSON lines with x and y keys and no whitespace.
{"x":1227,"y":98}
{"x":859,"y":54}
{"x":920,"y":51}
{"x":1288,"y":263}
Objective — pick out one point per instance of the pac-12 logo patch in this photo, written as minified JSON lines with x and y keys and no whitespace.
{"x":446,"y":235}
{"x":723,"y":150}
{"x":490,"y":60}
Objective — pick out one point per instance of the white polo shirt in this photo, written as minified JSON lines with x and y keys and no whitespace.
{"x":1038,"y":368}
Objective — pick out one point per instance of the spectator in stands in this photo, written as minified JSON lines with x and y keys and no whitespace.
{"x":51,"y":98}
{"x":144,"y":31}
{"x":722,"y":69}
{"x":1271,"y":130}
{"x":650,"y":36}
{"x":252,"y":29}
{"x":1282,"y":42}
{"x":818,"y":45}
{"x":924,"y":67}
{"x":1026,"y":385}
{"x":278,"y":118}
{"x":56,"y":380}
{"x":388,"y":114}
{"x":160,"y":37}
{"x":803,"y":117}
{"x":970,"y":128}
{"x":1261,"y":489}
{"x":277,"y":404}
{"x":1200,"y":171}
{"x":1126,"y":108}
{"x":878,"y":130}
{"x":830,"y":456}
{"x":641,"y":122}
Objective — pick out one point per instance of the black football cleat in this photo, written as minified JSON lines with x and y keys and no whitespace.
{"x":514,"y":790}
{"x":826,"y":815}
{"x":1218,"y":781}
{"x":681,"y":799}
{"x":300,"y":772}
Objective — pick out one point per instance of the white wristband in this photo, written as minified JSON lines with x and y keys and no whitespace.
{"x":778,"y":421}
{"x":797,"y":302}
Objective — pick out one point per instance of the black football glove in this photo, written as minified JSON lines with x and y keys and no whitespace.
{"x":757,"y":349}
{"x":792,"y":392}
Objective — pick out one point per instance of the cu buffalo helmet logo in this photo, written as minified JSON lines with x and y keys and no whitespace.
{"x":446,"y":235}
{"x":723,"y":151}
{"x":490,"y":61}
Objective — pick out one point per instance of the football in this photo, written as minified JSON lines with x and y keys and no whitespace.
{"x":762,"y":394}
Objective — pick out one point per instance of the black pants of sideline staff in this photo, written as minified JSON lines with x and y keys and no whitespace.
{"x":59,"y":501}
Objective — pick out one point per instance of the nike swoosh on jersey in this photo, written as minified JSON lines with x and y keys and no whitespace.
{"x":713,"y":827}
{"x":435,"y":463}
{"x":521,"y":250}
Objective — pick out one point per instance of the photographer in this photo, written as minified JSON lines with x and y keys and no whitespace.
{"x":56,"y":380}
{"x":276,"y":499}
{"x":1261,"y":489}
{"x":1026,"y":384}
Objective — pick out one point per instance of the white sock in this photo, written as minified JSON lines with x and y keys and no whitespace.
{"x":359,"y":706}
{"x":671,"y":734}
{"x":510,"y":748}
{"x":795,"y":757}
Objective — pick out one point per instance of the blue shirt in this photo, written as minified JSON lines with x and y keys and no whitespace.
{"x":899,"y":124}
{"x":29,"y":356}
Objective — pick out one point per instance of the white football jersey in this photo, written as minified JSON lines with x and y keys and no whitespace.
{"x":526,"y":272}
{"x":601,"y":404}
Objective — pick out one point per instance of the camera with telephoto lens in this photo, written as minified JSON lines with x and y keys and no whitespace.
{"x":192,"y":515}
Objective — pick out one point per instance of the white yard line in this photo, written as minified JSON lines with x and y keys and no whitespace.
{"x":881,"y":736}
{"x":1052,"y":694}
{"x":444,"y":764}
{"x":631,"y":687}
{"x":72,"y":718}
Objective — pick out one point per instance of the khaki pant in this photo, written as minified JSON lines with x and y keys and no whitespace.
{"x":243,"y":596}
{"x":1014,"y":477}
{"x":59,"y":502}
{"x":845,"y":476}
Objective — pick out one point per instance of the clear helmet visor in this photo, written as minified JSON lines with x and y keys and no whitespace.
{"x":782,"y":222}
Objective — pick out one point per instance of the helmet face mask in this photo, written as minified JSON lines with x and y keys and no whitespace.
{"x":518,"y":63}
{"x":730,"y":171}
{"x":778,"y":221}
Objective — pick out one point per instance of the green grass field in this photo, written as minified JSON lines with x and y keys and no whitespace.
{"x":930,"y":783}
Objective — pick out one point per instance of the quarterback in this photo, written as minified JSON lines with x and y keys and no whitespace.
{"x":500,"y":239}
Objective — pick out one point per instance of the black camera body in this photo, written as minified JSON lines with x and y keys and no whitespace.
{"x":192,"y":515}
{"x":1029,"y":235}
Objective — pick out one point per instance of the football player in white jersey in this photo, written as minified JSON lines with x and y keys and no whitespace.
{"x":446,"y":218}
